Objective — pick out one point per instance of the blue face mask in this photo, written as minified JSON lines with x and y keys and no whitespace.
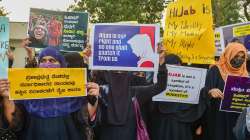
{"x":49,"y":65}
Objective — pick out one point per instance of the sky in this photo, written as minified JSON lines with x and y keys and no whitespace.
{"x":19,"y":9}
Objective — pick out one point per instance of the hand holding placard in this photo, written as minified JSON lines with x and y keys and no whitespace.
{"x":4,"y":88}
{"x":216,"y":93}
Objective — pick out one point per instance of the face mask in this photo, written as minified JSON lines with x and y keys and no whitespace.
{"x":49,"y":65}
{"x":138,"y":81}
{"x":236,"y":62}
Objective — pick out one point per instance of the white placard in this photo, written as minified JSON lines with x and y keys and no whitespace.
{"x":183,"y":85}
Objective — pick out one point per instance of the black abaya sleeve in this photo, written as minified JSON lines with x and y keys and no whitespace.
{"x":145,"y":93}
{"x":213,"y":78}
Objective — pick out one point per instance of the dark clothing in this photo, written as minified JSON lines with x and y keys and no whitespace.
{"x":58,"y":128}
{"x":68,"y":127}
{"x":117,"y":110}
{"x":127,"y":130}
{"x":71,"y":125}
{"x":166,"y":128}
{"x":240,"y":129}
{"x":171,"y":120}
{"x":218,"y":125}
{"x":174,"y":121}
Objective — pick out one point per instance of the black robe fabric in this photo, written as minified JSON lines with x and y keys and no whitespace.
{"x":127,"y":130}
{"x":217,"y":125}
{"x":68,"y":127}
{"x":174,"y":121}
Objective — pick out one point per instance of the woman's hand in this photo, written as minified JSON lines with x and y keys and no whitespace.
{"x":93,"y":89}
{"x":4,"y":88}
{"x":8,"y":105}
{"x":25,"y":44}
{"x":10,"y":55}
{"x":161,"y":51}
{"x":86,"y":53}
{"x":216,"y":93}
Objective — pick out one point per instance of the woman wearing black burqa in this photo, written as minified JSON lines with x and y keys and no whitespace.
{"x":118,"y":120}
{"x":219,"y":125}
{"x":174,"y":121}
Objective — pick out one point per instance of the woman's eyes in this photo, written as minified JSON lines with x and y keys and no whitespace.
{"x":48,"y":60}
{"x":52,"y":60}
{"x":240,"y":57}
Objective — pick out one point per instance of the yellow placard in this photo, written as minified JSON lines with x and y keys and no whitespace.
{"x":39,"y":83}
{"x":189,"y":31}
{"x":243,"y":30}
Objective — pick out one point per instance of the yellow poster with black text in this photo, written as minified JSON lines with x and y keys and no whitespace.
{"x":189,"y":31}
{"x":39,"y":83}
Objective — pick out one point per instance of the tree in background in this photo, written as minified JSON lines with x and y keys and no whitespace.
{"x":226,"y":12}
{"x":143,"y":11}
{"x":3,"y":12}
{"x":246,"y":8}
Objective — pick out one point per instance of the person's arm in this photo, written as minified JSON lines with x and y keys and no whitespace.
{"x":25,"y":44}
{"x":212,"y":83}
{"x":145,"y":93}
{"x":9,"y":109}
{"x":31,"y":61}
{"x":8,"y":105}
{"x":93,"y":93}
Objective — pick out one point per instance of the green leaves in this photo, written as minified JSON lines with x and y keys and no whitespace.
{"x":226,"y":12}
{"x":143,"y":11}
{"x":3,"y":12}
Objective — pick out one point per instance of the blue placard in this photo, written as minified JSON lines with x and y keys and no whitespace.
{"x":126,"y":47}
{"x":4,"y":46}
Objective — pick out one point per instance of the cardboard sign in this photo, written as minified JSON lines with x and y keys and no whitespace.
{"x":39,"y":83}
{"x":4,"y":46}
{"x":189,"y":31}
{"x":236,"y":94}
{"x":239,"y":32}
{"x":183,"y":85}
{"x":129,"y":47}
{"x":218,"y":46}
{"x":66,"y":30}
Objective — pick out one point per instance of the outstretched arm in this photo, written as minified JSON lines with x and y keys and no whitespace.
{"x":8,"y":105}
{"x":145,"y":93}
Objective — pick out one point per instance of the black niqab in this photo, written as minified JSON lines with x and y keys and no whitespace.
{"x":119,"y":98}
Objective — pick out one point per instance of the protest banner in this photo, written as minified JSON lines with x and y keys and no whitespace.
{"x":236,"y":94}
{"x":236,"y":32}
{"x":4,"y":46}
{"x":189,"y":31}
{"x":183,"y":85}
{"x":66,"y":30}
{"x":218,"y":46}
{"x":129,"y":47}
{"x":39,"y":83}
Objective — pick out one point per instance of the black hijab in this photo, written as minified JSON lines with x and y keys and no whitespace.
{"x":173,"y":59}
{"x":119,"y":98}
{"x":181,"y":111}
{"x":74,"y":60}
